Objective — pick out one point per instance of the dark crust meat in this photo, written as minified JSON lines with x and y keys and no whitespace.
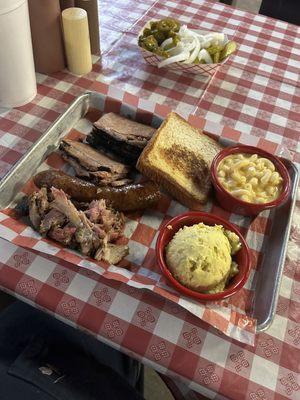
{"x":126,"y":198}
{"x":78,"y":189}
{"x":22,"y":208}
{"x":131,"y":197}
{"x":119,"y":126}
{"x":91,"y":159}
{"x":101,"y":178}
{"x":120,"y":135}
{"x":127,"y":152}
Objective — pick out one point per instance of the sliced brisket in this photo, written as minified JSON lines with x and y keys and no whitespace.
{"x":122,"y":136}
{"x":93,"y":165}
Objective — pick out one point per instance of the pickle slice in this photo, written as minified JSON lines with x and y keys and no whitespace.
{"x":228,"y":49}
{"x":214,"y":49}
{"x":216,"y":57}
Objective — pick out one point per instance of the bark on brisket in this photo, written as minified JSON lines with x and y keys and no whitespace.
{"x":92,"y":165}
{"x":126,"y":151}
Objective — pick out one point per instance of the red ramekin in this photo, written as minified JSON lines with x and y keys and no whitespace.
{"x":243,"y":257}
{"x":231,"y":203}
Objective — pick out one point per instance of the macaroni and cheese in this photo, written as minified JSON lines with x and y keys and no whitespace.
{"x":250,"y":178}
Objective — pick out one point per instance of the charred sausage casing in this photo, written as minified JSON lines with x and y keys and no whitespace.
{"x":126,"y":198}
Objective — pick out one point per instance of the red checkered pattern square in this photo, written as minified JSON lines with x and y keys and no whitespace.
{"x":69,"y":307}
{"x":102,"y":297}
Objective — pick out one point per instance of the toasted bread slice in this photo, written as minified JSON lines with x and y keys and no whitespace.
{"x":178,"y":157}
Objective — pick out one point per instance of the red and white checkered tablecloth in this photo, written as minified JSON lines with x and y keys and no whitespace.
{"x":116,"y":17}
{"x":262,"y":99}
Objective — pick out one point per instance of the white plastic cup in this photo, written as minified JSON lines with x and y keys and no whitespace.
{"x":17,"y":76}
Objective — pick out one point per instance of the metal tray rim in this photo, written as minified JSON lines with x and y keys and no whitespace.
{"x":19,"y":163}
{"x":268,"y":322}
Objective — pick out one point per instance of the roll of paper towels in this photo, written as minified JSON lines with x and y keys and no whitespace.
{"x":17,"y":76}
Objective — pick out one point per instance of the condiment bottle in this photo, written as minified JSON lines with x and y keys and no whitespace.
{"x":77,"y":40}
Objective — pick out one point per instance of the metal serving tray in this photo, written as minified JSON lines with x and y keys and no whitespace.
{"x":269,"y":279}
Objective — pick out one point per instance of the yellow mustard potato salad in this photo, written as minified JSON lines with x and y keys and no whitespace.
{"x":250,"y":178}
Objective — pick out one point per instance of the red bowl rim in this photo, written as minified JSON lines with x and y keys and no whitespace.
{"x":183,"y":289}
{"x":252,"y":150}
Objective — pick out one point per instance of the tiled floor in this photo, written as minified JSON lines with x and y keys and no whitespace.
{"x":155,"y":389}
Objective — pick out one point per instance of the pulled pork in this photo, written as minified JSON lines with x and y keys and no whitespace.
{"x":91,"y":231}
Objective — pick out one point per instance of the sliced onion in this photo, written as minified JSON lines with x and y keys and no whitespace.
{"x":166,"y":42}
{"x":204,"y":55}
{"x":207,"y":40}
{"x":176,"y":50}
{"x":183,"y":45}
{"x":188,"y":34}
{"x":218,"y":38}
{"x":201,"y":39}
{"x":194,"y":53}
{"x":179,"y":57}
{"x":191,"y":46}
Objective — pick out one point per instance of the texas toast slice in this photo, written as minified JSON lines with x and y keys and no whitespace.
{"x":178,"y":158}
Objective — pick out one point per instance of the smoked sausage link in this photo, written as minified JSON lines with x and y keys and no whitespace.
{"x":126,"y":198}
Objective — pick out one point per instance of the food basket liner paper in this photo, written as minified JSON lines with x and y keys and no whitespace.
{"x":203,"y":69}
{"x":139,"y":269}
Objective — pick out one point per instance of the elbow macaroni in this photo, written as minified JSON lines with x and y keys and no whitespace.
{"x":250,"y":178}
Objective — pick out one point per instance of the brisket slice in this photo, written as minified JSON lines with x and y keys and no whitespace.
{"x":92,"y":165}
{"x":126,"y":152}
{"x":124,"y":137}
{"x":91,"y":159}
{"x":121,"y":127}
